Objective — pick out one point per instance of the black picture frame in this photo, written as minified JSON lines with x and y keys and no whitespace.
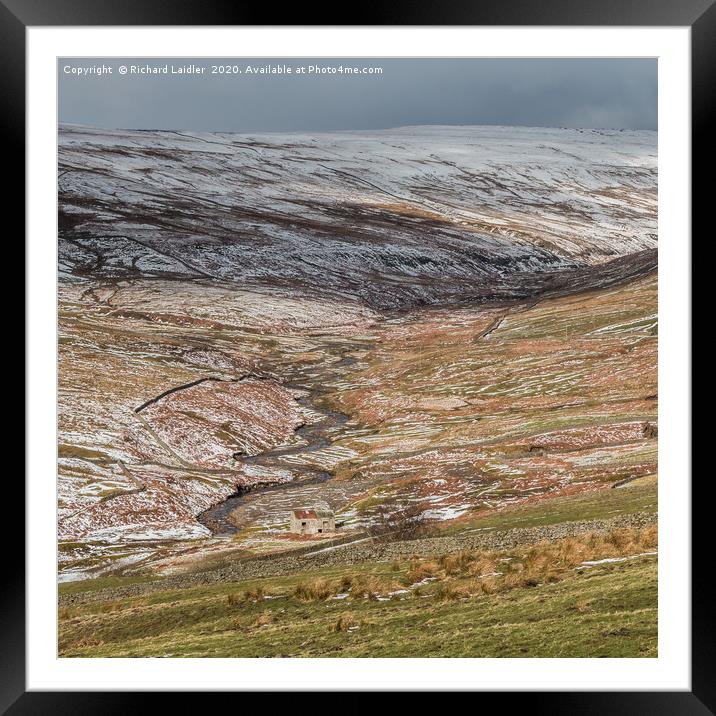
{"x":699,"y":15}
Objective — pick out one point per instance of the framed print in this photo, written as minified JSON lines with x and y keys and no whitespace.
{"x":359,"y":356}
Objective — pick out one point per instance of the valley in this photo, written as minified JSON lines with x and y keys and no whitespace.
{"x":453,"y":323}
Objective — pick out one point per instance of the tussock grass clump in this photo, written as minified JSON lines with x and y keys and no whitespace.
{"x":452,"y":591}
{"x":456,"y":563}
{"x":650,"y":537}
{"x":248,"y":596}
{"x":571,"y":551}
{"x":346,"y":583}
{"x":538,"y":557}
{"x":482,"y":565}
{"x":344,"y":622}
{"x":358,"y":586}
{"x":421,"y":571}
{"x":366,"y":586}
{"x":316,"y":591}
{"x":518,"y":578}
{"x":547,"y":559}
{"x":624,"y":540}
{"x":263,"y":619}
{"x":254,"y":595}
{"x":488,"y":586}
{"x":108,"y":607}
{"x":523,"y":567}
{"x":484,"y":586}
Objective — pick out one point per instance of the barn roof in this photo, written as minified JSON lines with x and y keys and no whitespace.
{"x":311,"y":514}
{"x":305,"y":514}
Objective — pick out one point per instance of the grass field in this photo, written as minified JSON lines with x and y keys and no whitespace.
{"x":543,"y":600}
{"x":637,"y":496}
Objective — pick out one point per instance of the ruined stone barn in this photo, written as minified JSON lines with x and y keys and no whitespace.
{"x":311,"y":522}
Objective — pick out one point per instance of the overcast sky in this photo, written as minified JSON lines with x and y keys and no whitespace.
{"x":614,"y":93}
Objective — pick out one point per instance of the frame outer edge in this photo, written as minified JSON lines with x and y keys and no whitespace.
{"x":12,"y":130}
{"x":651,"y":12}
{"x":398,"y":12}
{"x":703,"y":129}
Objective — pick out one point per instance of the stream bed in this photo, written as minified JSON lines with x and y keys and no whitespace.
{"x":315,"y":436}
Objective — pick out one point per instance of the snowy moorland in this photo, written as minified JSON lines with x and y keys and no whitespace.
{"x":453,"y":320}
{"x":395,"y":218}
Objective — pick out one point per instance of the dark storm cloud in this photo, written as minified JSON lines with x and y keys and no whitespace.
{"x":615,"y":93}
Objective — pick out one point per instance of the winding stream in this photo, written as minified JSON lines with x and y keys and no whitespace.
{"x":218,"y":518}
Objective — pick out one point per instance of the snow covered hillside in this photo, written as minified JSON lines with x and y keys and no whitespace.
{"x":395,"y":218}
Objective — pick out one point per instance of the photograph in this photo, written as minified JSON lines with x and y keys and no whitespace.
{"x":357,"y":357}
